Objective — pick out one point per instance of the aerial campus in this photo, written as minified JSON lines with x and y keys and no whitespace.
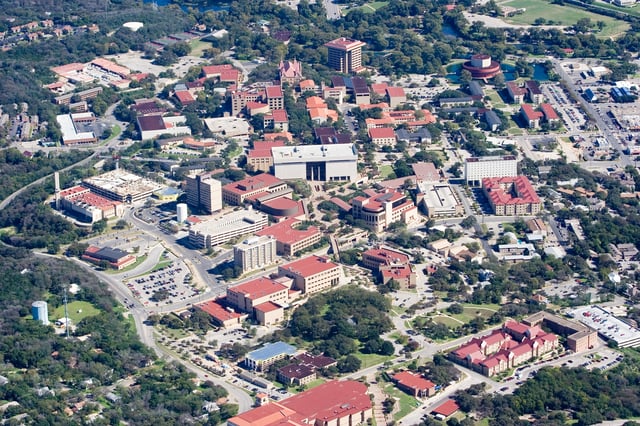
{"x":413,"y":212}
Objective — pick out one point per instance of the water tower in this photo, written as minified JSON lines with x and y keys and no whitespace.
{"x":40,"y":312}
{"x":181,"y":212}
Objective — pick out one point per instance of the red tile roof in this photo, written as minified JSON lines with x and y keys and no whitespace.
{"x":395,"y":92}
{"x":259,"y":287}
{"x":495,"y":188}
{"x":267,"y":307}
{"x":530,"y":113}
{"x":330,"y":401}
{"x":413,"y":381}
{"x":381,"y":133}
{"x":217,"y":311}
{"x":549,"y":112}
{"x":447,"y":408}
{"x":387,"y":256}
{"x":286,"y":233}
{"x":253,"y":183}
{"x":309,"y":266}
{"x":185,"y":97}
{"x":396,"y":272}
{"x":379,"y":88}
{"x":273,"y":92}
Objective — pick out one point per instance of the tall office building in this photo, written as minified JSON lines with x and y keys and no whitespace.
{"x":255,"y":252}
{"x":345,"y":55}
{"x":204,"y":192}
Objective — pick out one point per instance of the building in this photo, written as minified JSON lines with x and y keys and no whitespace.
{"x":345,"y":55}
{"x":222,"y":316}
{"x":382,"y":136}
{"x":331,"y":404}
{"x":224,"y":73}
{"x":396,"y":96}
{"x":439,"y":200}
{"x":608,"y":326}
{"x":120,"y":185}
{"x":494,"y":123}
{"x":204,"y":192}
{"x":312,"y":274}
{"x":262,"y":358}
{"x":530,"y":116}
{"x":579,"y":337}
{"x":403,"y":275}
{"x":515,"y":344}
{"x":40,"y":312}
{"x":511,"y":196}
{"x":274,"y":97}
{"x":478,"y":168}
{"x":316,"y":162}
{"x":260,"y":157}
{"x":291,"y":240}
{"x":446,"y":409}
{"x":290,"y":72}
{"x":533,"y":92}
{"x":303,"y":369}
{"x":516,"y":93}
{"x":248,"y":296}
{"x":383,"y":208}
{"x":80,"y":201}
{"x":482,"y":67}
{"x":296,"y":374}
{"x":517,"y":252}
{"x":549,"y":114}
{"x":276,"y":120}
{"x":116,"y":258}
{"x":72,"y":131}
{"x":414,"y":384}
{"x":181,"y":212}
{"x":153,"y":125}
{"x":258,"y":188}
{"x":255,"y":253}
{"x":377,"y":257}
{"x":419,"y":136}
{"x":222,"y":229}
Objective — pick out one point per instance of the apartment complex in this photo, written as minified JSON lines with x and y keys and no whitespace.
{"x":345,"y":55}
{"x":382,"y":208}
{"x":255,"y":253}
{"x":504,"y":349}
{"x":478,"y":168}
{"x":204,"y":192}
{"x":312,"y":274}
{"x":511,"y":196}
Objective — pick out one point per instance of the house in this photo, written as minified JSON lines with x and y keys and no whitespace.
{"x":414,"y":384}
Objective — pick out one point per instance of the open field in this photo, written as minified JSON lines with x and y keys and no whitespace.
{"x":448,"y":321}
{"x":77,"y":311}
{"x":562,"y":15}
{"x":369,"y":360}
{"x":385,"y":170}
{"x":198,"y":47}
{"x":371,"y":7}
{"x":406,"y":403}
{"x":473,"y":311}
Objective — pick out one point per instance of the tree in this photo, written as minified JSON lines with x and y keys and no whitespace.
{"x":468,"y":222}
{"x":465,"y":77}
{"x":349,"y":364}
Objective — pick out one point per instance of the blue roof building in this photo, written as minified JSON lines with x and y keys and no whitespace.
{"x":262,"y":358}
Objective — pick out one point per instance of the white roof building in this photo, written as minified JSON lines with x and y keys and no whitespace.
{"x":316,"y":162}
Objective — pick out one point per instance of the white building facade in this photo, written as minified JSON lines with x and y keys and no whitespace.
{"x":323,"y":163}
{"x":478,"y":168}
{"x":255,"y":253}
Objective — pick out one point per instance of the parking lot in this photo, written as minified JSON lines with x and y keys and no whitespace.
{"x":168,"y":284}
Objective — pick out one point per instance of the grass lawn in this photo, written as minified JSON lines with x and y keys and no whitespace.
{"x":385,"y":170}
{"x":161,"y":265}
{"x":563,"y":15}
{"x":315,"y":383}
{"x":370,"y":7}
{"x":406,"y":403}
{"x":115,"y":132}
{"x":369,"y":360}
{"x":483,"y":422}
{"x":449,"y":322}
{"x":77,"y":311}
{"x":198,"y":47}
{"x":472,"y":311}
{"x":173,"y":333}
{"x":139,"y":260}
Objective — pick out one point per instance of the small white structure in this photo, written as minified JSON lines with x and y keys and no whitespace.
{"x":133,"y":25}
{"x":181,"y":212}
